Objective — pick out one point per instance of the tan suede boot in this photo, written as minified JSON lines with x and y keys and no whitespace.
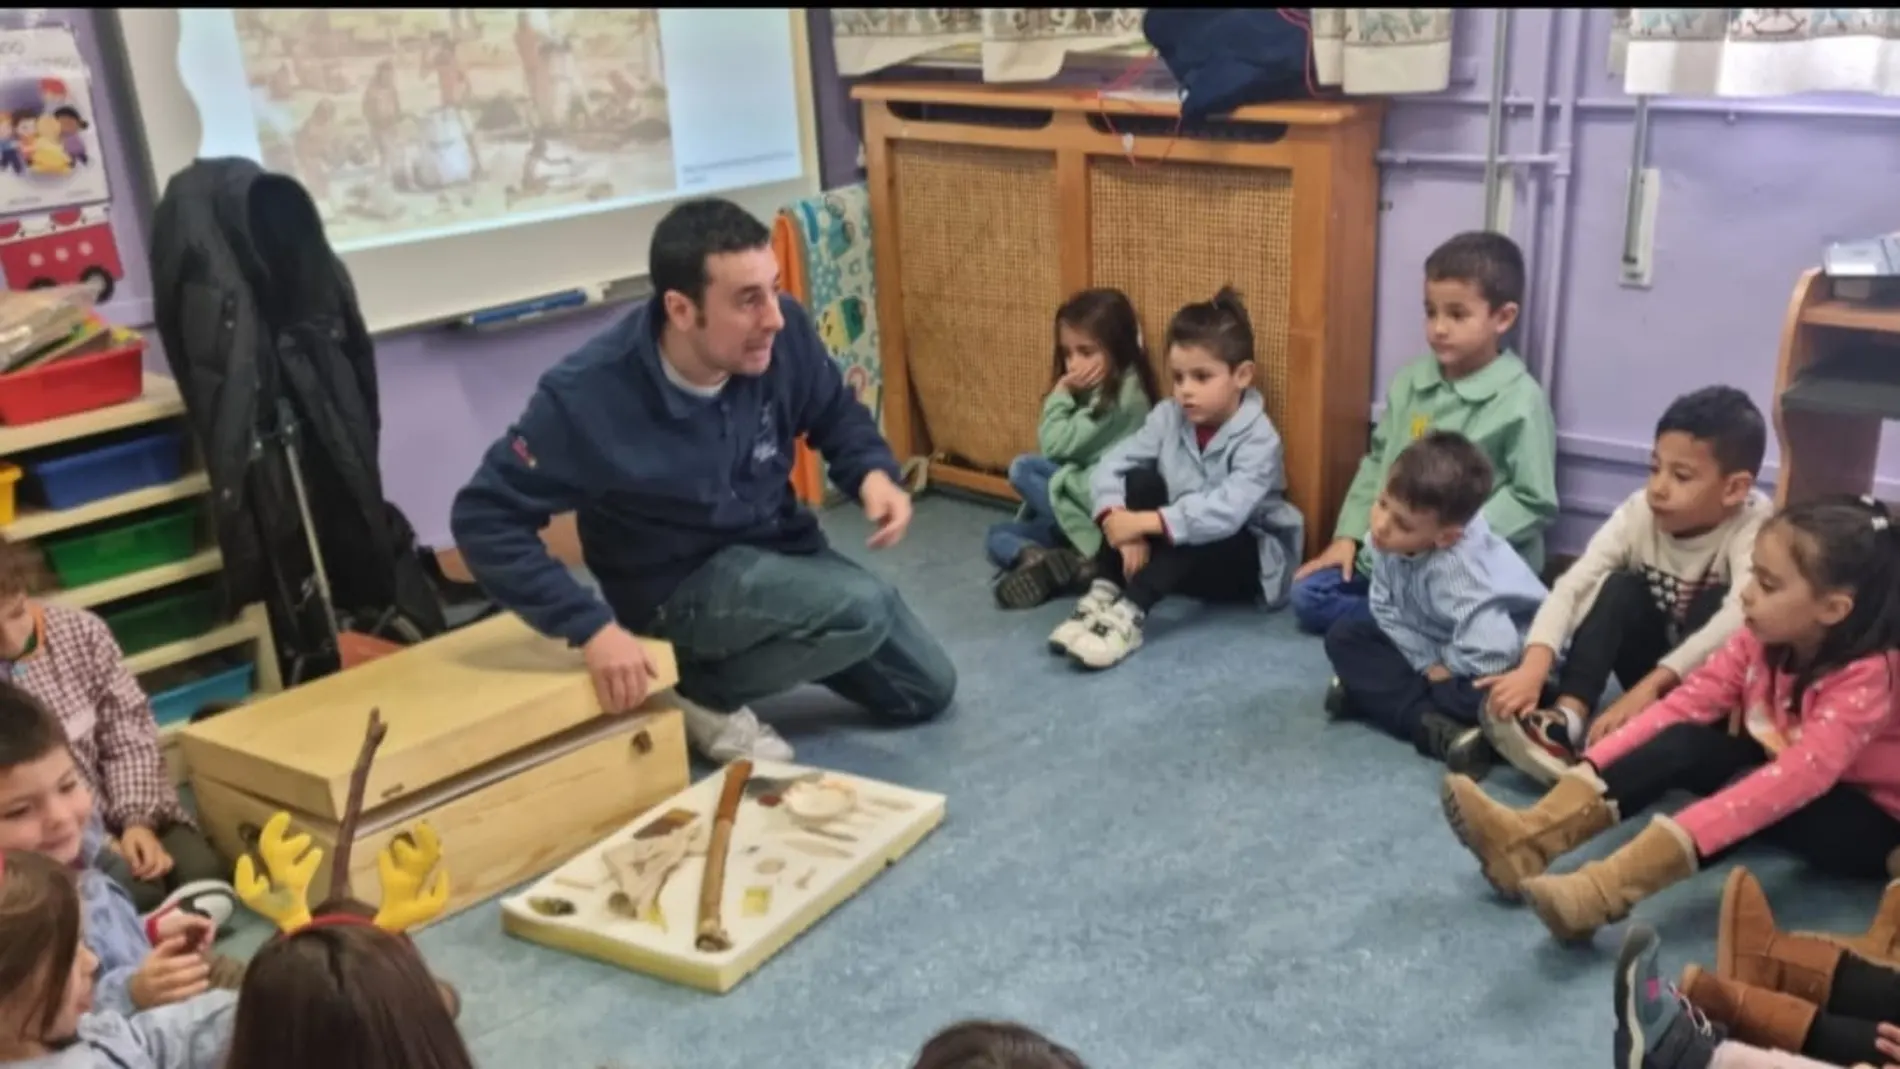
{"x":1880,"y":943}
{"x":1749,"y":949}
{"x":1515,"y":844}
{"x":1754,"y":1015}
{"x":1573,"y":906}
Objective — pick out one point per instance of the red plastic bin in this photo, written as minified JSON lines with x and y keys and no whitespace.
{"x":81,"y":384}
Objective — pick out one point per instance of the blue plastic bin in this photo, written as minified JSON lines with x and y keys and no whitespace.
{"x":77,"y":479}
{"x":176,"y":705}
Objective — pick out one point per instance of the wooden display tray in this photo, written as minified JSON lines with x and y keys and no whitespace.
{"x":808,"y":874}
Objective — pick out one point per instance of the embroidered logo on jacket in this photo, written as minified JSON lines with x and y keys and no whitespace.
{"x":520,"y":447}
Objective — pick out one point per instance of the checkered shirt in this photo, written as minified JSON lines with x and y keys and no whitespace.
{"x":78,"y":671}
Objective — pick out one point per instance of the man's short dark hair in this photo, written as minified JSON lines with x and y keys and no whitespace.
{"x":1488,"y":260}
{"x":693,"y":231}
{"x":28,"y":729}
{"x":1444,"y":474}
{"x":1727,"y":419}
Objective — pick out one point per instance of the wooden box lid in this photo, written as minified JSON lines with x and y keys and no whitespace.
{"x":453,"y":703}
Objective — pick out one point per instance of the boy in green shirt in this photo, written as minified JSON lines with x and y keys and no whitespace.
{"x":1474,"y":285}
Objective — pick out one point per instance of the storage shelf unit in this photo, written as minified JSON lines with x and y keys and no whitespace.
{"x":160,"y":402}
{"x":1838,"y":382}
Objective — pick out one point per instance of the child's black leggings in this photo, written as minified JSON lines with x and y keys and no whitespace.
{"x":1863,"y":995}
{"x":1227,"y":570}
{"x":1843,"y":832}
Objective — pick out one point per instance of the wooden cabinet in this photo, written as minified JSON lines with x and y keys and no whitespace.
{"x":1838,"y":381}
{"x":990,"y":205}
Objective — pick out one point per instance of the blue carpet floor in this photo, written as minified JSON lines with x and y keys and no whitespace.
{"x":1176,"y":863}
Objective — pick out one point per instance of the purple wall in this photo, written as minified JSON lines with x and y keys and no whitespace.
{"x":1746,"y":205}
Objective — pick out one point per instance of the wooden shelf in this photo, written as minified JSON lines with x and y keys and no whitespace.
{"x":246,"y":628}
{"x":33,"y":523}
{"x":160,"y":401}
{"x":85,"y":597}
{"x":1873,"y":318}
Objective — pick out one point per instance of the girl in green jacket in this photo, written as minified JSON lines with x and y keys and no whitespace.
{"x":1104,"y":386}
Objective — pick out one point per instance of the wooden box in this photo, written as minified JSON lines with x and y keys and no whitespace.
{"x":783,"y":875}
{"x":494,"y":736}
{"x":991,"y":204}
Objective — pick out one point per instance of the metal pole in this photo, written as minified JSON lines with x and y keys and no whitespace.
{"x":1494,"y":135}
{"x":1633,"y":195}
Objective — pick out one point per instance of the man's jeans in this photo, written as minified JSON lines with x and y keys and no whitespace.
{"x":753,"y":623}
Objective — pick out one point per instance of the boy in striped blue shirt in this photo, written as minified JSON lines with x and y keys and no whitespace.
{"x":1451,"y":602}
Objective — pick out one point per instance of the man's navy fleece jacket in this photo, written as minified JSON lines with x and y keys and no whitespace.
{"x":658,"y":478}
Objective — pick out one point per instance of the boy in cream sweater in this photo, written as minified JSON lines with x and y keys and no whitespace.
{"x":1656,"y":591}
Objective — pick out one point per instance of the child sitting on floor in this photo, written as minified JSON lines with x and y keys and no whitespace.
{"x":1656,"y":592}
{"x":1450,"y":601}
{"x":1658,"y":1027}
{"x":343,"y":994}
{"x":1788,"y":732}
{"x":47,"y":1019}
{"x":1104,"y":387}
{"x":994,"y":1045}
{"x":68,"y":659}
{"x":1474,"y":284}
{"x":46,"y":807}
{"x":1193,"y":503}
{"x":1797,"y":993}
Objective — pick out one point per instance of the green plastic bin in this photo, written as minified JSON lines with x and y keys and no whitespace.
{"x":157,"y":621}
{"x":111,"y":550}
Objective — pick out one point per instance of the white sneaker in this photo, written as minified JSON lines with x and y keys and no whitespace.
{"x":724,"y":737}
{"x":1112,"y":635}
{"x":214,"y":900}
{"x":1101,"y":595}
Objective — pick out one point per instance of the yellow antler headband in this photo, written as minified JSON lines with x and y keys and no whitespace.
{"x":282,"y":893}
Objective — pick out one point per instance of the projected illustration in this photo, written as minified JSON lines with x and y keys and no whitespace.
{"x":400,"y":120}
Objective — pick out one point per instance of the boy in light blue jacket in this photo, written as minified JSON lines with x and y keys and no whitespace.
{"x":1451,"y":602}
{"x":1194,"y":503}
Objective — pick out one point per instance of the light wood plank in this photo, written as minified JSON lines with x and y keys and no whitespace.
{"x":161,"y":400}
{"x":36,"y":522}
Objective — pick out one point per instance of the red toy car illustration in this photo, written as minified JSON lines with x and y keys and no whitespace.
{"x":61,"y":248}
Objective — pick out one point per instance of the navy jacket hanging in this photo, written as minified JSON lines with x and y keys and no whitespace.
{"x":1225,"y":58}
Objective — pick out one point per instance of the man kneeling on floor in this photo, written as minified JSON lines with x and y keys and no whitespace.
{"x":671,"y":437}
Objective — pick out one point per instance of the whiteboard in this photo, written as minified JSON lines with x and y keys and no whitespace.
{"x":466,"y":159}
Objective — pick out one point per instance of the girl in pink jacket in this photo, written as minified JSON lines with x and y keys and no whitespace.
{"x":1787,"y":732}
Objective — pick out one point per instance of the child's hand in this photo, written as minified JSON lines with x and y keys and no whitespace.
{"x":197,"y":931}
{"x":1083,"y":378}
{"x":1438,"y":673}
{"x":144,"y":854}
{"x":1341,"y":555}
{"x":170,"y":973}
{"x":1613,"y":718}
{"x":1122,"y":527}
{"x":1514,"y":693}
{"x":1887,"y":1042}
{"x":1134,"y":558}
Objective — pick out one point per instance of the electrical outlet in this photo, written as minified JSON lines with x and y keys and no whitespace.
{"x":1639,"y":254}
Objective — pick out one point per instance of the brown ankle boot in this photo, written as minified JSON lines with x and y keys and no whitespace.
{"x":1749,"y":949}
{"x":1573,"y":906}
{"x":1516,"y":844}
{"x":1880,"y":944}
{"x":1754,"y":1015}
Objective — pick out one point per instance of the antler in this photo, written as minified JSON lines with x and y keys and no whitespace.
{"x":405,"y":865}
{"x":353,"y":806}
{"x":291,"y":863}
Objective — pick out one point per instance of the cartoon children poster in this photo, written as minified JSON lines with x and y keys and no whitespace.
{"x":49,"y":141}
